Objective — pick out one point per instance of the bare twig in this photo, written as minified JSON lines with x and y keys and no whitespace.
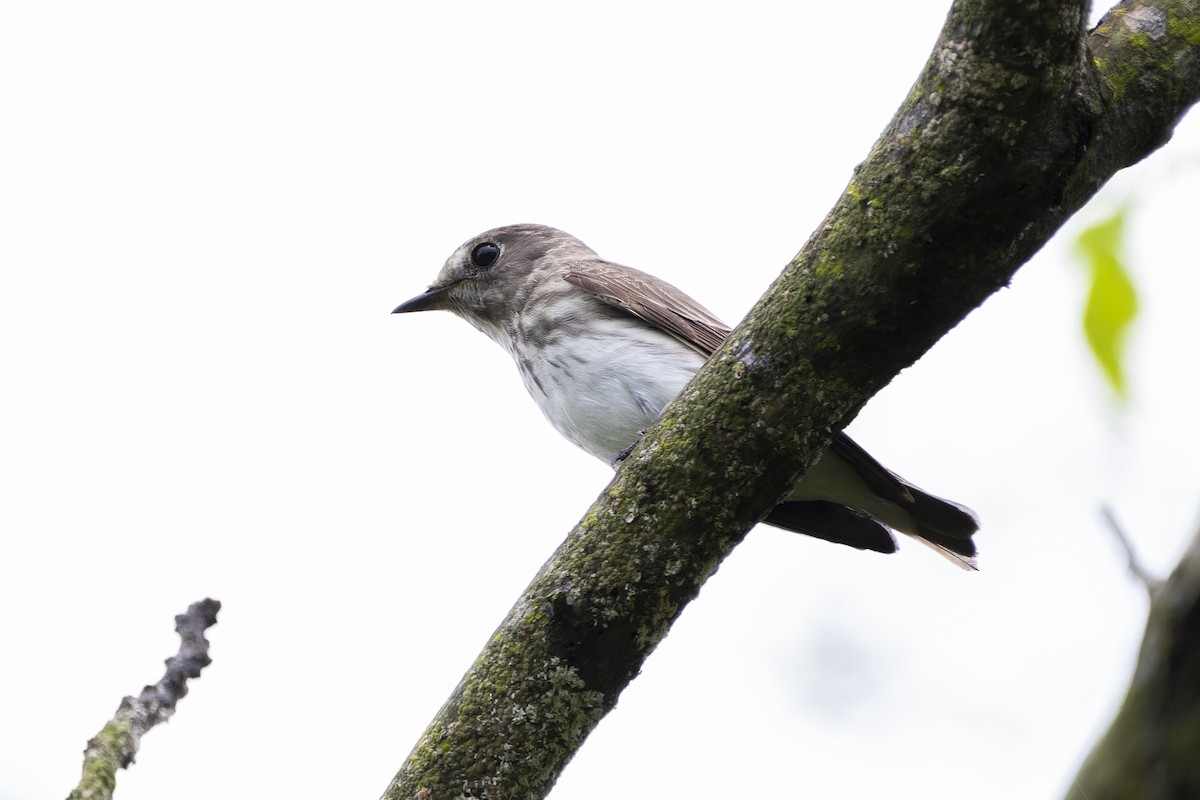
{"x":117,"y":742}
{"x":1136,"y":569}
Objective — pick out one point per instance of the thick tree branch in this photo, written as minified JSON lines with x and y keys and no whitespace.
{"x":1150,"y":750}
{"x":1010,"y":128}
{"x":117,"y":742}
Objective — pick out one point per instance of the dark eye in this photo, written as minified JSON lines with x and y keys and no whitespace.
{"x":484,"y":255}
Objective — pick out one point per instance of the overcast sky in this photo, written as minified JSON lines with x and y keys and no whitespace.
{"x":207,"y":212}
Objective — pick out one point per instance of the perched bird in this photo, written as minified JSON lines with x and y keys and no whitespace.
{"x":603,"y":348}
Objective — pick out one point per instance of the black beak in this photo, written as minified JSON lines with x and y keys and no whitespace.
{"x":432,"y":299}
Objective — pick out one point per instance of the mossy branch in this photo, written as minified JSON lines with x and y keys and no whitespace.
{"x":1013,"y":124}
{"x":116,"y":744}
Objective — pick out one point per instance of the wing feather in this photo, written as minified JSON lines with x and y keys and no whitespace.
{"x":945,"y":526}
{"x":669,"y":309}
{"x":652,"y":300}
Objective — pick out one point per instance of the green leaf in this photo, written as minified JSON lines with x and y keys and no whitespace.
{"x":1112,"y":299}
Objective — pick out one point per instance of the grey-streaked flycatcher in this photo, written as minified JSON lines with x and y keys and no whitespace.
{"x":603,"y":348}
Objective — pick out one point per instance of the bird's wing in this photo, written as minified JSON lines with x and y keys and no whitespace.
{"x":946,"y":526}
{"x":662,"y":305}
{"x":653,"y":300}
{"x":882,"y":480}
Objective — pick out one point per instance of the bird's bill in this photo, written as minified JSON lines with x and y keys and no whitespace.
{"x":433,"y":298}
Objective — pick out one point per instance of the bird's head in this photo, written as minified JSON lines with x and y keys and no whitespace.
{"x":491,"y":277}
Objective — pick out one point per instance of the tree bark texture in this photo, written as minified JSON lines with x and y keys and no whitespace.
{"x":1018,"y":118}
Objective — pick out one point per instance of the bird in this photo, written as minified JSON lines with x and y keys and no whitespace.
{"x":602,"y":348}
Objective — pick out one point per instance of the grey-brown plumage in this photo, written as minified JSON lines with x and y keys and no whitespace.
{"x":602,"y":348}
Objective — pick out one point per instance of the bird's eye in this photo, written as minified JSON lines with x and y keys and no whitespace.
{"x":485,"y":255}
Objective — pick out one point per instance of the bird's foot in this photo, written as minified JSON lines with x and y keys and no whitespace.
{"x":624,"y":454}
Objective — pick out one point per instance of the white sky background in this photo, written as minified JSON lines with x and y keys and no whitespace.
{"x":206,"y":214}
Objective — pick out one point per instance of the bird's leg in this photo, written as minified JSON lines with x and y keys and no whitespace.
{"x":624,"y":454}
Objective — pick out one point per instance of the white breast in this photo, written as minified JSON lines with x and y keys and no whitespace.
{"x":607,"y":381}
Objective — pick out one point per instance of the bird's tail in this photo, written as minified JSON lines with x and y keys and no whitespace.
{"x":944,"y":526}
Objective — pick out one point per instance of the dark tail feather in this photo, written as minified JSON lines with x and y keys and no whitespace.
{"x":945,"y":526}
{"x":942,"y":525}
{"x":833,"y":523}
